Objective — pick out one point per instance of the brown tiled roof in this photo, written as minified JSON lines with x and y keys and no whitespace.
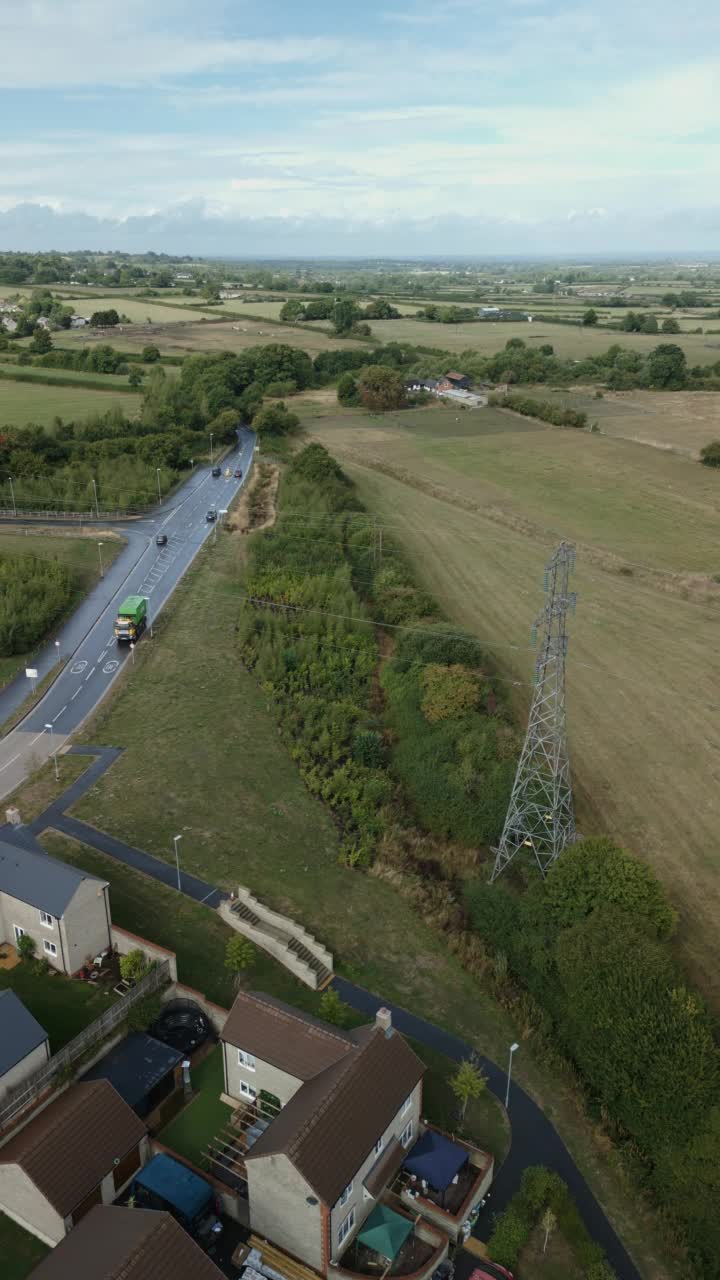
{"x":384,"y":1168}
{"x":111,"y":1243}
{"x":332,"y":1123}
{"x":453,"y":373}
{"x":285,"y":1037}
{"x":71,"y":1145}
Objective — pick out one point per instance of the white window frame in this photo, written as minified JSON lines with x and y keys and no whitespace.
{"x":346,"y":1194}
{"x":19,"y":932}
{"x":346,"y":1226}
{"x":49,"y":947}
{"x":46,"y":920}
{"x":247,"y":1091}
{"x":379,"y":1146}
{"x":407,"y":1133}
{"x":246,"y":1060}
{"x":406,"y":1105}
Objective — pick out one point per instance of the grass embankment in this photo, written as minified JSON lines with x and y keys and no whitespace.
{"x":79,"y":555}
{"x":470,"y":496}
{"x":63,"y":1006}
{"x":20,"y":1251}
{"x":33,"y":797}
{"x":247,"y":818}
{"x":22,"y":402}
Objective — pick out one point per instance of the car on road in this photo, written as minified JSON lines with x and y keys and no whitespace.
{"x":217,"y":471}
{"x":211,"y":515}
{"x":161,"y":540}
{"x":238,"y":473}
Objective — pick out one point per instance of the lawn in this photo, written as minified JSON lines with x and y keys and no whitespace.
{"x":681,"y":421}
{"x":479,"y":512}
{"x":23,"y":402}
{"x":223,"y":778}
{"x":79,"y":554}
{"x":204,"y":1117}
{"x":485,"y":1123}
{"x":20,"y":1251}
{"x":63,"y":1006}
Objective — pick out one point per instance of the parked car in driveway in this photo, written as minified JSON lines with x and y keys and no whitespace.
{"x":161,"y":540}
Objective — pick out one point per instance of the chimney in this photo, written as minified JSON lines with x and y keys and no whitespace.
{"x":383,"y":1020}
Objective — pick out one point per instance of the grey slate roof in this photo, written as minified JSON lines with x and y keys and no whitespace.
{"x":20,"y":1033}
{"x":36,"y":878}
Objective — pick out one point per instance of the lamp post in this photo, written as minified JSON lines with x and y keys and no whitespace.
{"x":12,"y":494}
{"x":212,"y":433}
{"x":53,"y":752}
{"x":177,"y":861}
{"x":97,"y":508}
{"x":102,"y":570}
{"x":513,"y":1048}
{"x":157,"y":469}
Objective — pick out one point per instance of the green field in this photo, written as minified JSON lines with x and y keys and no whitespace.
{"x":23,"y":402}
{"x":227,"y":335}
{"x":142,"y":310}
{"x":248,"y":819}
{"x":81,"y":556}
{"x":479,"y":499}
{"x":682,"y":421}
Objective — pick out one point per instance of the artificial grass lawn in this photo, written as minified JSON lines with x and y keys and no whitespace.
{"x":19,"y":1250}
{"x":63,"y":1006}
{"x":205,"y":1115}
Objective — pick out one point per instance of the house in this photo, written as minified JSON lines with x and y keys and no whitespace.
{"x":77,"y":322}
{"x":64,"y":910}
{"x":458,"y":381}
{"x":7,"y":324}
{"x":80,"y":1150}
{"x":344,"y":1108}
{"x":113,"y":1243}
{"x":24,"y":1044}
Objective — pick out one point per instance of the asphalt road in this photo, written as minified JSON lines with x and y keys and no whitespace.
{"x":93,"y":657}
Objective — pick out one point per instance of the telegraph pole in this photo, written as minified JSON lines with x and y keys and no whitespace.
{"x":541,"y":816}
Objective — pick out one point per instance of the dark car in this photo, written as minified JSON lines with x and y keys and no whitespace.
{"x":211,"y":515}
{"x":217,"y":471}
{"x":161,"y":540}
{"x":238,"y":473}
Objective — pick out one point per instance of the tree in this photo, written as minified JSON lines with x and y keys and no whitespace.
{"x":105,"y":319}
{"x":136,"y":377}
{"x":381,"y":389}
{"x":449,"y":691}
{"x":596,"y":871}
{"x":239,"y":956}
{"x":133,"y":965}
{"x":293,"y":310}
{"x":333,"y":1009}
{"x":26,"y":946}
{"x":710,"y":454}
{"x":590,"y":317}
{"x":275,"y":420}
{"x":667,"y":367}
{"x":548,"y":1222}
{"x":468,"y":1083}
{"x":150,"y":354}
{"x":42,"y":342}
{"x":649,"y":325}
{"x":670,"y":325}
{"x":344,"y":315}
{"x":347,"y":390}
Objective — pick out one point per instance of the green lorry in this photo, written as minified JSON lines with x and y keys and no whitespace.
{"x":132,"y":618}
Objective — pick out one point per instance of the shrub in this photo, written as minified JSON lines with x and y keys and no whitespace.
{"x":449,"y":691}
{"x":333,"y":1009}
{"x":26,"y":946}
{"x":133,"y":966}
{"x":710,"y":454}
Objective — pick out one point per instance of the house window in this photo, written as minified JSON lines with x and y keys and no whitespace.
{"x":406,"y":1105}
{"x":246,"y":1060}
{"x":346,"y":1194}
{"x":407,"y":1133}
{"x":47,"y":920}
{"x":19,"y":933}
{"x":346,"y":1227}
{"x":49,"y":948}
{"x":379,"y":1146}
{"x":247,"y":1092}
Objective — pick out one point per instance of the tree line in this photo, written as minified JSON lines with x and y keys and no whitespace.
{"x":33,"y":594}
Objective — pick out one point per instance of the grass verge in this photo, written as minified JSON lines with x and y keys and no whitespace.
{"x":20,"y":1251}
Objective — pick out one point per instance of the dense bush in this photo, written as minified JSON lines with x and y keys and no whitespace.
{"x":33,"y":595}
{"x":542,"y":409}
{"x":541,"y":1188}
{"x":710,"y":454}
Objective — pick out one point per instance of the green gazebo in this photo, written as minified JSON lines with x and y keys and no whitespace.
{"x":385,"y":1232}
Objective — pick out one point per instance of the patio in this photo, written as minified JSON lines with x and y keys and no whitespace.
{"x":391,"y":1244}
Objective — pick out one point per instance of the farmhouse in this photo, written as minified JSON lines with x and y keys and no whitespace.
{"x":24,"y":1044}
{"x":63,"y":910}
{"x":113,"y":1243}
{"x":78,"y":322}
{"x":81,"y":1150}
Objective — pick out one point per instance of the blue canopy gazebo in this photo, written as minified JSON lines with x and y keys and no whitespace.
{"x":436,"y":1160}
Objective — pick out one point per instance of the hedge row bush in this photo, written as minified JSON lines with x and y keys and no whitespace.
{"x":33,"y":595}
{"x":540,"y":1189}
{"x":542,"y":409}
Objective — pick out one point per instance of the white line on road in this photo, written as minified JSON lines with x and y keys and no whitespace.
{"x":77,"y":691}
{"x":90,"y":673}
{"x":57,"y":717}
{"x":102,"y":655}
{"x":207,"y":895}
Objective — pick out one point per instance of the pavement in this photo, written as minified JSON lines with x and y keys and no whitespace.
{"x":534,"y":1138}
{"x":93,"y":658}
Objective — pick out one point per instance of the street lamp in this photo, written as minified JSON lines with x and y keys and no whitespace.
{"x":158,"y":480}
{"x":53,"y":752}
{"x":177,"y":861}
{"x":57,"y":650}
{"x":513,"y":1048}
{"x":102,"y":571}
{"x":97,"y":509}
{"x":212,"y":433}
{"x":12,"y":493}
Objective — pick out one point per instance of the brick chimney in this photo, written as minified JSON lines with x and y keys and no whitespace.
{"x":383,"y":1020}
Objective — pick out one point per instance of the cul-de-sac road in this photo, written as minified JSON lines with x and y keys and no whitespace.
{"x":87,"y":646}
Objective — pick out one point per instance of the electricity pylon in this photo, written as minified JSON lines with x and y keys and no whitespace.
{"x":540,"y":816}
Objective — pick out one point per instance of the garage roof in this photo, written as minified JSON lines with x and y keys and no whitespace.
{"x":135,"y":1066}
{"x":111,"y":1243}
{"x":21,"y":1033}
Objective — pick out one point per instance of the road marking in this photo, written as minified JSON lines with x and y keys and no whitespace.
{"x":207,"y":895}
{"x":77,"y":691}
{"x":110,"y":667}
{"x":78,"y":667}
{"x":57,"y":717}
{"x":102,"y":655}
{"x":90,"y":673}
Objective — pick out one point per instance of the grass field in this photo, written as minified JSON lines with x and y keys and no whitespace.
{"x":479,"y":499}
{"x":227,"y":335}
{"x":20,"y":1251}
{"x":140,"y":310}
{"x":569,"y":341}
{"x":683,"y":421}
{"x":80,"y":555}
{"x":23,"y":402}
{"x":248,"y":819}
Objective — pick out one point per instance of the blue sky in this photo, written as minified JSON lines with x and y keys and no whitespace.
{"x":394,"y":127}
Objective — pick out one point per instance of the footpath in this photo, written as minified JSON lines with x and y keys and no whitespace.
{"x":534,"y":1138}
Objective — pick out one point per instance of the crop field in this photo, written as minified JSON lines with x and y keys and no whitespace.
{"x":23,"y":402}
{"x":478,"y":499}
{"x":682,"y":421}
{"x":230,"y":335}
{"x":573,"y":342}
{"x":142,"y":310}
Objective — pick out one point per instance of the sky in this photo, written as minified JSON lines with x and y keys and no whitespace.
{"x":388,"y":128}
